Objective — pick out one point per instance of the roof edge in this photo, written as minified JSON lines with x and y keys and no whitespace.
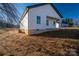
{"x":37,"y":5}
{"x":40,"y":4}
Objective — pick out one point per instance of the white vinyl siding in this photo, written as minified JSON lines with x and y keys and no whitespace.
{"x":43,"y":12}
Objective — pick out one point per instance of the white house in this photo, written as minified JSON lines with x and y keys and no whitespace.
{"x":40,"y":18}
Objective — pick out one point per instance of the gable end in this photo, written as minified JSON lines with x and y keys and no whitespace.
{"x":37,"y":5}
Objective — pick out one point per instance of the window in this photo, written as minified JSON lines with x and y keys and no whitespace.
{"x":38,"y":20}
{"x":54,"y":23}
{"x":47,"y":22}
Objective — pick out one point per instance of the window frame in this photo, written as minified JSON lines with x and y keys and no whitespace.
{"x":38,"y":18}
{"x":47,"y":22}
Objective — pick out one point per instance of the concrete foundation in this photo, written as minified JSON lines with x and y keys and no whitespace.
{"x":34,"y":31}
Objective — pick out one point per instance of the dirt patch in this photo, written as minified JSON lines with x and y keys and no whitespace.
{"x":13,"y":43}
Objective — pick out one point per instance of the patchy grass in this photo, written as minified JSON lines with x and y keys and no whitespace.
{"x":13,"y":43}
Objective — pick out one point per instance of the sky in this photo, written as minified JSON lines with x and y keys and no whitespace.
{"x":68,"y":10}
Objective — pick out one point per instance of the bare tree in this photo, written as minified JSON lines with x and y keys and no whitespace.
{"x":9,"y":11}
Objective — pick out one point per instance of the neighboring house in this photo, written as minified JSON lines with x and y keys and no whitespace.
{"x":40,"y":18}
{"x":65,"y":25}
{"x":76,"y":22}
{"x":67,"y":22}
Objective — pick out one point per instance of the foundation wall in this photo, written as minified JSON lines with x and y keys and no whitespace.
{"x":35,"y":31}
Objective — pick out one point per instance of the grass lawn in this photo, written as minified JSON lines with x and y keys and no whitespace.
{"x":54,"y":43}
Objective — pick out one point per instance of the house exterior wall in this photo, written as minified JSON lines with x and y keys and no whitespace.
{"x":24,"y":24}
{"x":43,"y":11}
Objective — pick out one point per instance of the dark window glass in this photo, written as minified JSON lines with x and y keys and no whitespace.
{"x":38,"y":20}
{"x":47,"y":22}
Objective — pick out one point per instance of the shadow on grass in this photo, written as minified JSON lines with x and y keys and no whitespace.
{"x":62,"y":33}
